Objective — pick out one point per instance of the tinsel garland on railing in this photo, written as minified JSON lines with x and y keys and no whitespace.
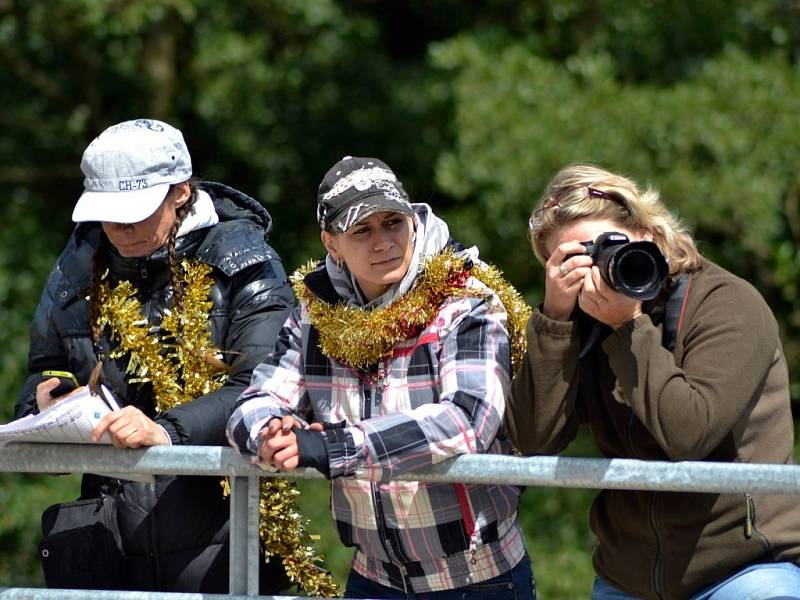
{"x":360,"y":337}
{"x":180,"y":361}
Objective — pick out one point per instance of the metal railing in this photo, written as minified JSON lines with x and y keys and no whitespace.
{"x":552,"y":471}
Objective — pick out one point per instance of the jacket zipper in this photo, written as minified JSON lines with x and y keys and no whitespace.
{"x":750,"y":517}
{"x":750,"y":523}
{"x":657,"y":564}
{"x":153,"y":551}
{"x":366,"y":405}
{"x":144,"y":288}
{"x":631,"y":421}
{"x":373,"y":392}
{"x":384,"y":538}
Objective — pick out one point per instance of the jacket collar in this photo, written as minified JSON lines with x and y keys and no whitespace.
{"x":320,"y":284}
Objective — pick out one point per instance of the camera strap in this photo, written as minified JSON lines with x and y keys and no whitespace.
{"x":597,"y":326}
{"x":674,"y":310}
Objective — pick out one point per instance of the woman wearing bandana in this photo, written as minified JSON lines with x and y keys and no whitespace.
{"x":399,"y":357}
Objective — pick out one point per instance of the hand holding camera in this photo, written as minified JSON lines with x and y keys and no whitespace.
{"x":564,"y":280}
{"x":626,"y":273}
{"x":635,"y":269}
{"x":606,"y":305}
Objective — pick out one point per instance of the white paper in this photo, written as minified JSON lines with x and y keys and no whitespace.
{"x":68,"y":421}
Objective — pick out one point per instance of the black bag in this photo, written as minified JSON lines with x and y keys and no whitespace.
{"x":82,"y":546}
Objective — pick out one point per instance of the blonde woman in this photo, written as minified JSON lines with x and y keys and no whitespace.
{"x":674,"y":359}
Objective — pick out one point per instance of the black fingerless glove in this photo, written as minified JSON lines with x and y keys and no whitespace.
{"x":311,"y":451}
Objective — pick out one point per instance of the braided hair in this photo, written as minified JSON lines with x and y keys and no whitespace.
{"x":180,"y":215}
{"x":99,"y":268}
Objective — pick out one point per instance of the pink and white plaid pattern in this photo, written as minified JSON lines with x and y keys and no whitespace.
{"x":440,"y":395}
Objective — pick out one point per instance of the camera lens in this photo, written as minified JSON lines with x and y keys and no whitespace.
{"x":638,"y":269}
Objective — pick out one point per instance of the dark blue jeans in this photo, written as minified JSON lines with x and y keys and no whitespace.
{"x":516,"y":584}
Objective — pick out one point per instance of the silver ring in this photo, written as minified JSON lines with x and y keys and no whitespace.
{"x":562,"y":270}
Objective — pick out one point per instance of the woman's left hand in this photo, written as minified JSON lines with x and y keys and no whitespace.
{"x":598,"y":300}
{"x":129,"y":427}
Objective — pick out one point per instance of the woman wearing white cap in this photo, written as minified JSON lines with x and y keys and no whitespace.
{"x":168,"y":294}
{"x":400,"y":356}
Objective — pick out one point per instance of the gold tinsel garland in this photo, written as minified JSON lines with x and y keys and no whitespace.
{"x":360,"y":337}
{"x":180,"y":361}
{"x":517,"y":309}
{"x":173,"y":357}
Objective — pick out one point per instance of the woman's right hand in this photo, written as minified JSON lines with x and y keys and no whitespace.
{"x":43,"y":398}
{"x":565,"y":271}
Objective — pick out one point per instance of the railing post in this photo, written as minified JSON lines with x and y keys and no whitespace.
{"x":244,"y":554}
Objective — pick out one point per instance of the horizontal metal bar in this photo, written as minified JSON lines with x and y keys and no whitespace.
{"x":552,"y":471}
{"x":91,"y":458}
{"x":555,"y":471}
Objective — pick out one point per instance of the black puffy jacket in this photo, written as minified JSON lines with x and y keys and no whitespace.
{"x":175,"y":532}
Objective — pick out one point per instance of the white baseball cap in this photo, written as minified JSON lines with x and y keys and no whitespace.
{"x":128,"y":170}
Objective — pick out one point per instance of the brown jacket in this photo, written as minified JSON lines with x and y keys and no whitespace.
{"x":723,"y":395}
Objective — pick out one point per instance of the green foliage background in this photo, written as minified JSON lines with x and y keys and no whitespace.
{"x":475,"y":106}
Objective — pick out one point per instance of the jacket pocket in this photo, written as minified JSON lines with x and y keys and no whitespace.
{"x":81,"y":546}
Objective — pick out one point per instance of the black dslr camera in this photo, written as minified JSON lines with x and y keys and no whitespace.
{"x":636,"y":269}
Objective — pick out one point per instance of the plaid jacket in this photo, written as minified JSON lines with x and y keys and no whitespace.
{"x":441,"y":394}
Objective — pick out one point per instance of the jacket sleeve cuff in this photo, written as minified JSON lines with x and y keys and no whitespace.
{"x":341,"y":447}
{"x":545,"y":325}
{"x":171,"y":431}
{"x":622,"y":337}
{"x":166,"y":433}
